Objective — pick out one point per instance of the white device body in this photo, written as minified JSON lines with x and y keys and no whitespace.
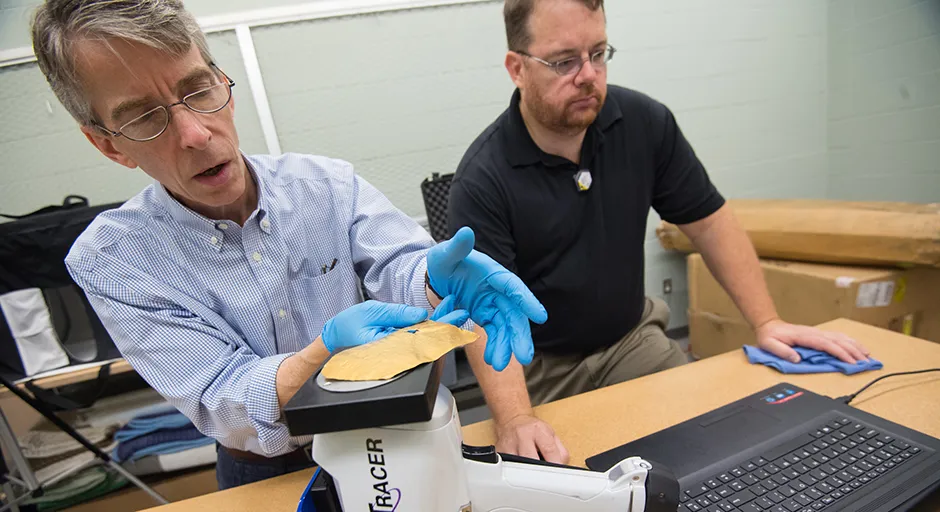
{"x":420,"y":467}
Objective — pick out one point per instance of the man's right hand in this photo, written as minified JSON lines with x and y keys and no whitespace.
{"x":363,"y":323}
{"x":372,"y":320}
{"x":528,"y":436}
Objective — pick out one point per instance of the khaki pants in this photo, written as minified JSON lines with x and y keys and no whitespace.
{"x":643,"y":351}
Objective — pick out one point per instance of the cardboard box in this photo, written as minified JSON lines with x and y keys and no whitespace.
{"x":863,"y":233}
{"x":906,"y":301}
{"x":930,"y":328}
{"x":711,"y":334}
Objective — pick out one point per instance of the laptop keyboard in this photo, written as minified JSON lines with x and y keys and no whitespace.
{"x":811,"y":472}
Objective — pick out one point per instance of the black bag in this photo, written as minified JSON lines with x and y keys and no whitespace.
{"x":68,"y":203}
{"x":436,"y":194}
{"x":32,"y":253}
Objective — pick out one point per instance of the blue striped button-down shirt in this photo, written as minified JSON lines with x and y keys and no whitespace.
{"x":206,"y":310}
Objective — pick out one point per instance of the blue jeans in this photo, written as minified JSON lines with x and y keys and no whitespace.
{"x":231,"y":472}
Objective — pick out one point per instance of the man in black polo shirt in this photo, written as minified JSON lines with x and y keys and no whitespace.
{"x":558,"y":190}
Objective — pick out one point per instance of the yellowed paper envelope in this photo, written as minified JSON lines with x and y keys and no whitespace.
{"x":400,"y":351}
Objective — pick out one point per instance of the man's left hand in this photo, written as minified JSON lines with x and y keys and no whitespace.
{"x":779,"y":338}
{"x":528,"y":436}
{"x":496,"y":298}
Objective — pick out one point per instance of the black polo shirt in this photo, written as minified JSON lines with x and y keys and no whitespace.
{"x":581,"y":253}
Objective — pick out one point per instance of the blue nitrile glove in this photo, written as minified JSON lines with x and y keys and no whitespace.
{"x":495,"y":297}
{"x":445,"y":312}
{"x":373,"y":320}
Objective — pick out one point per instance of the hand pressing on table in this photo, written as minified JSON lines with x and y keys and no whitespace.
{"x":527,"y":436}
{"x":779,"y":338}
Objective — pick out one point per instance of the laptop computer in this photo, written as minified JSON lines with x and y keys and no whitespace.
{"x":786,"y":449}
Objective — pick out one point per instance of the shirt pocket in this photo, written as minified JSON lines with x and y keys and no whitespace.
{"x":319,"y":298}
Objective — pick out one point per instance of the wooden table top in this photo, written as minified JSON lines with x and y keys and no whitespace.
{"x":605,"y":418}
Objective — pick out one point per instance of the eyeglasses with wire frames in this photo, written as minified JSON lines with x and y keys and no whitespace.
{"x":573,"y":65}
{"x":153,"y":123}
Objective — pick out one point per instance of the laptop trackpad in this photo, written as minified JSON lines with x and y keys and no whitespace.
{"x":689,"y":447}
{"x":739,"y":418}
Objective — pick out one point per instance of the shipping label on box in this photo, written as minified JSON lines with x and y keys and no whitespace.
{"x":875,"y":295}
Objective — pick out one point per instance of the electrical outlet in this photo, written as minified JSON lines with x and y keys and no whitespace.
{"x":667,"y":286}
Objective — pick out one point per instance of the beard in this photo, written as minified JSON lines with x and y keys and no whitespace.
{"x":565,"y":119}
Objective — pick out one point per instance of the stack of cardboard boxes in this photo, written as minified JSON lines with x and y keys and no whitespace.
{"x":893,"y":280}
{"x":906,"y":301}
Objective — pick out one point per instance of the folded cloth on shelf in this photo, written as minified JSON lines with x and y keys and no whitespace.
{"x":811,"y":361}
{"x":45,"y":462}
{"x":121,"y":409}
{"x":171,"y":447}
{"x":82,"y":458}
{"x":144,"y":424}
{"x":166,"y":462}
{"x":87,"y":485}
{"x":72,"y":486}
{"x":161,"y":441}
{"x":40,"y":443}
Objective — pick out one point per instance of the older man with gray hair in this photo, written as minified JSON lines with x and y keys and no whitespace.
{"x":228,"y":281}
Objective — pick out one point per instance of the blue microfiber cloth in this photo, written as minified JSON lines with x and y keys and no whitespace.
{"x":811,"y":361}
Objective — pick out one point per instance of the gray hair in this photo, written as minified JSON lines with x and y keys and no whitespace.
{"x":164,"y":25}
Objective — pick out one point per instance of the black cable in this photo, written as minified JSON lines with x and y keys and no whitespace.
{"x":848,"y":398}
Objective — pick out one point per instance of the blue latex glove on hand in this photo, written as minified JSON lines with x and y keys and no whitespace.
{"x":448,"y":313}
{"x":496,"y":298}
{"x":372,"y":320}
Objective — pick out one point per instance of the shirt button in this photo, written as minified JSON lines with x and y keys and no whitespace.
{"x":266,"y":224}
{"x":214,"y":240}
{"x":282,"y":313}
{"x":256,"y":256}
{"x":223,"y":226}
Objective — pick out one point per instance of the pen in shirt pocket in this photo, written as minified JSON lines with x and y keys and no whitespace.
{"x":331,"y":267}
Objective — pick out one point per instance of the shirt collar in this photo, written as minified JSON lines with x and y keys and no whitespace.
{"x":521,"y":149}
{"x":213,"y":231}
